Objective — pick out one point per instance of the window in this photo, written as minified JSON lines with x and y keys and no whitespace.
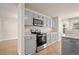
{"x":64,"y":28}
{"x":76,"y":26}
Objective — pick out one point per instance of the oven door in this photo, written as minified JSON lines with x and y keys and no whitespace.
{"x":41,"y":40}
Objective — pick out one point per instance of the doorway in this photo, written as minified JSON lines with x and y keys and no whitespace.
{"x":8,"y":28}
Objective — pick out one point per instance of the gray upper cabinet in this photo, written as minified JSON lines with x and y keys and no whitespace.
{"x":55,"y":24}
{"x":30,"y":44}
{"x":35,"y":16}
{"x":48,"y":22}
{"x":28,"y":18}
{"x":45,"y":22}
{"x":70,"y":46}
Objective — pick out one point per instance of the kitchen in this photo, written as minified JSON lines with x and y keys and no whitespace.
{"x":52,"y":28}
{"x":40,"y":29}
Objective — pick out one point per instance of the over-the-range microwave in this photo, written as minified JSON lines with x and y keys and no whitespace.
{"x":38,"y":22}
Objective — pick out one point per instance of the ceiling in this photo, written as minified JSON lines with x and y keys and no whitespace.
{"x":8,"y":10}
{"x":64,"y":10}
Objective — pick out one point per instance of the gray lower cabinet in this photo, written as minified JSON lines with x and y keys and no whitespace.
{"x":52,"y":37}
{"x":48,"y":38}
{"x":30,"y":45}
{"x":70,"y":46}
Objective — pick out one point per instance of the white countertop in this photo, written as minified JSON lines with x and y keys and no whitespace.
{"x":75,"y":37}
{"x":71,"y":34}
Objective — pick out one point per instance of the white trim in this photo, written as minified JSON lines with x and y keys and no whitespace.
{"x":9,"y":39}
{"x":20,"y":47}
{"x":60,"y":44}
{"x":60,"y":32}
{"x":19,"y":53}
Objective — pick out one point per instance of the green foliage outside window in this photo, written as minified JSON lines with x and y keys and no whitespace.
{"x":76,"y":26}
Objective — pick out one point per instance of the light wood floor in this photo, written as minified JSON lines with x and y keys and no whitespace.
{"x":8,"y":47}
{"x":51,"y":50}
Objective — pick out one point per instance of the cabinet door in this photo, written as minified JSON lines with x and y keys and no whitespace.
{"x":45,"y":22}
{"x":30,"y":46}
{"x":66,"y":46}
{"x":48,"y":38}
{"x":28,"y":18}
{"x":75,"y":46}
{"x":55,"y":24}
{"x":50,"y":23}
{"x":52,"y":36}
{"x":70,"y":46}
{"x":77,"y":42}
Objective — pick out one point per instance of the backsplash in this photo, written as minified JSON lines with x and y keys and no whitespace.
{"x":43,"y":29}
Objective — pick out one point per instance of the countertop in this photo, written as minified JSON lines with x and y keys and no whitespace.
{"x":73,"y":37}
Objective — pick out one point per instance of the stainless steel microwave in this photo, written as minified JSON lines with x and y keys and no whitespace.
{"x":38,"y":22}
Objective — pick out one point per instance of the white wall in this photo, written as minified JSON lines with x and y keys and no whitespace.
{"x":0,"y":29}
{"x":9,"y":28}
{"x":8,"y":21}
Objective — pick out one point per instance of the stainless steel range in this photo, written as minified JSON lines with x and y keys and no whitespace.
{"x":41,"y":40}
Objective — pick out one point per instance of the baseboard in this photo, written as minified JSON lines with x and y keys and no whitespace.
{"x":8,"y":39}
{"x":19,"y":53}
{"x":60,"y":47}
